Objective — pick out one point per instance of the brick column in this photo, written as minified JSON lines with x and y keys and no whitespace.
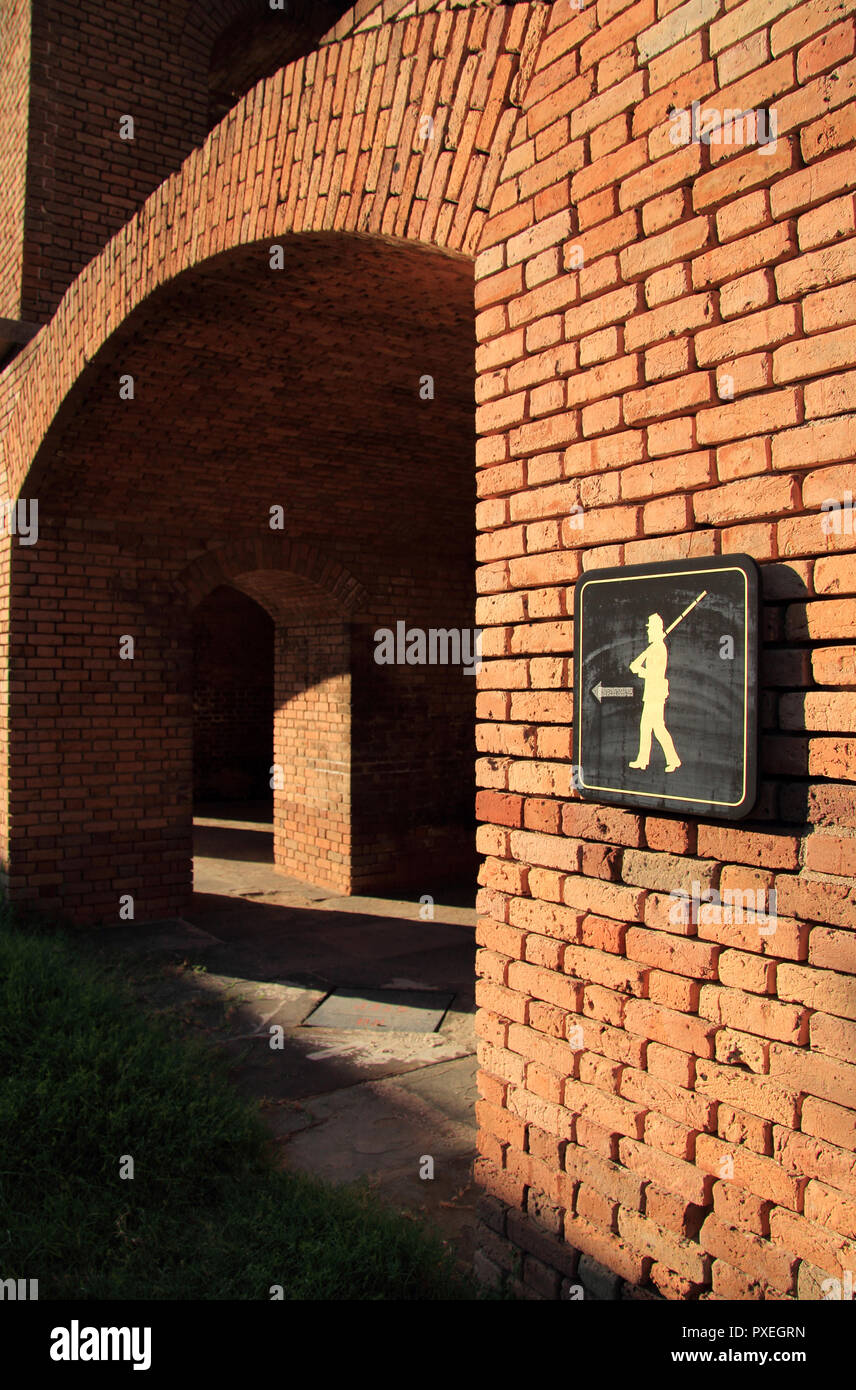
{"x":100,"y":717}
{"x":666,"y":353}
{"x":312,"y":747}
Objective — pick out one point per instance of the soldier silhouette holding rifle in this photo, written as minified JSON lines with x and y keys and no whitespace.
{"x":651,"y":666}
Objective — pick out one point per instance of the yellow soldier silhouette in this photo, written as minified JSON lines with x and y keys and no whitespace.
{"x":651,"y":666}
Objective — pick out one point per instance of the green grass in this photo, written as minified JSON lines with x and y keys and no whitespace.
{"x":85,"y":1078}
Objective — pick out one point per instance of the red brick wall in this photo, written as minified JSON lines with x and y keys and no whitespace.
{"x":94,"y":62}
{"x":667,"y":1106}
{"x":83,"y":181}
{"x":312,"y":740}
{"x":14,"y":103}
{"x":627,"y":1062}
{"x":99,"y":761}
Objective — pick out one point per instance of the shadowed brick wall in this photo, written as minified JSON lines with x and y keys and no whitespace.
{"x":14,"y":102}
{"x":413,"y":749}
{"x":666,"y":342}
{"x":166,"y":63}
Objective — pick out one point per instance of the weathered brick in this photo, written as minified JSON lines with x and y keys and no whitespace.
{"x":755,"y":1256}
{"x":755,"y":1094}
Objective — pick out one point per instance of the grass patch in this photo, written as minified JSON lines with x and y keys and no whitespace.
{"x":85,"y":1078}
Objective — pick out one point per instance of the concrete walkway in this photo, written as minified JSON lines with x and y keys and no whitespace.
{"x":258,"y":949}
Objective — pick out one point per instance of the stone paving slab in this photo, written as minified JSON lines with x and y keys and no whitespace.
{"x":313,"y":1062}
{"x":170,"y":934}
{"x":382,"y":1131}
{"x":404,"y":1010}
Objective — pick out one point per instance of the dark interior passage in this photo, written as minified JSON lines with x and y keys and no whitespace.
{"x":232,"y":699}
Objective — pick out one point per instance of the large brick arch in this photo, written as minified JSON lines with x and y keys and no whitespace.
{"x":260,"y":174}
{"x":252,"y":184}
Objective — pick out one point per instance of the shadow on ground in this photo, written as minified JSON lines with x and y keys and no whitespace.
{"x":251,"y":962}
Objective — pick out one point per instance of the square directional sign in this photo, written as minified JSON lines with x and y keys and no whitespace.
{"x":666,"y":673}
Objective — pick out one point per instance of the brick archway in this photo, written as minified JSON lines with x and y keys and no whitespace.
{"x":171,"y":493}
{"x":313,"y":601}
{"x":270,"y":173}
{"x":256,"y":178}
{"x":317,"y":583}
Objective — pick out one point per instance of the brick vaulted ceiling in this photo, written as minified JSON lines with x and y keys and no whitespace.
{"x":298,"y":387}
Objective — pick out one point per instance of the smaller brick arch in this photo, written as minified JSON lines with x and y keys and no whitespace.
{"x":313,"y":601}
{"x":289,"y":578}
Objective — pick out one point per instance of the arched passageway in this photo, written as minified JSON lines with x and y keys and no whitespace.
{"x":269,"y":429}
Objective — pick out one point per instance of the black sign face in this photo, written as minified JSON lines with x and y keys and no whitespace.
{"x":666,"y":671}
